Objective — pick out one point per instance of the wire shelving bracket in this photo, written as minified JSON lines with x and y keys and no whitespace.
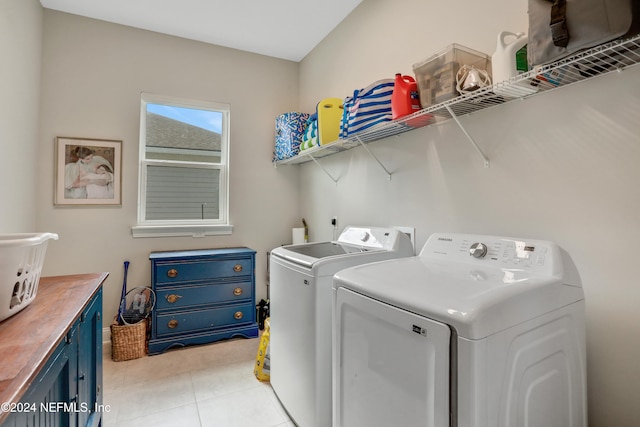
{"x":335,"y":181}
{"x":473,"y":142}
{"x":374,"y":157}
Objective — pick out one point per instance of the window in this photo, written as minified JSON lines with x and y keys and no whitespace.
{"x":183,"y":170}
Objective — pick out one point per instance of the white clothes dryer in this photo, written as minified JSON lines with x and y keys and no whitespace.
{"x":475,"y":331}
{"x":300,"y":311}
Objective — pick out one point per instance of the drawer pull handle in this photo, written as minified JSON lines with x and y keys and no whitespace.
{"x":173,"y":298}
{"x":172,"y":324}
{"x":172,"y":273}
{"x":238,"y":315}
{"x":237,"y":291}
{"x":237,"y":268}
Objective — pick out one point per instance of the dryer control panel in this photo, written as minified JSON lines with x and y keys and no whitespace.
{"x":501,"y":252}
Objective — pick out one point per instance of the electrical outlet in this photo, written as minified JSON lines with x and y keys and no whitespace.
{"x":334,"y":222}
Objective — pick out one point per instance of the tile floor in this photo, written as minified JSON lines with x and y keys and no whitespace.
{"x":201,"y":386}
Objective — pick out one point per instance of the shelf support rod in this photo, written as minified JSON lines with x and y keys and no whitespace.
{"x":335,"y":181}
{"x":475,"y":145}
{"x":373,"y":156}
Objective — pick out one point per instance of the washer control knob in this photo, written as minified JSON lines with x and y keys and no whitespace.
{"x":478,"y":250}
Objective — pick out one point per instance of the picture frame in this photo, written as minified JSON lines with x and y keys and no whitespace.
{"x":88,"y":171}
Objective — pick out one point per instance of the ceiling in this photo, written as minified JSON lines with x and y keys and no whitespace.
{"x":287,"y":29}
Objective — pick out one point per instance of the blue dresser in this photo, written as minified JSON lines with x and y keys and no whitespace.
{"x":202,"y":296}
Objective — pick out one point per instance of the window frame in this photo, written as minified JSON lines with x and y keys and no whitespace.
{"x":194,"y":228}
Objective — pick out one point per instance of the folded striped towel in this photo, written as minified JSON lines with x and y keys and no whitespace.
{"x":310,"y":137}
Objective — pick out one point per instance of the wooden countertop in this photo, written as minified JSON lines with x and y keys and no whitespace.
{"x":28,"y":338}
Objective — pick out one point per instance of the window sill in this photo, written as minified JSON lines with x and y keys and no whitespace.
{"x":180,"y":230}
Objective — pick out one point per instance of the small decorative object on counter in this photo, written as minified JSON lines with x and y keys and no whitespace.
{"x":290,"y":129}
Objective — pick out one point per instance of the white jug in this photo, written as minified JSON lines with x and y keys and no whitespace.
{"x":504,"y":65}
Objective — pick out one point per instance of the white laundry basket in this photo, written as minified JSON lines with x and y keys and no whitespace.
{"x":21,"y":259}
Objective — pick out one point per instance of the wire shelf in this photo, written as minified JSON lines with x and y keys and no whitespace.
{"x":603,"y":59}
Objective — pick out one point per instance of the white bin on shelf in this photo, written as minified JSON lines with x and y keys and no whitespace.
{"x":21,"y":259}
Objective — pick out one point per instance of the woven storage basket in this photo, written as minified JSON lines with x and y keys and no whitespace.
{"x":128,"y":341}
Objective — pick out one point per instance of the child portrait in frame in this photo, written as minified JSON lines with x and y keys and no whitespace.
{"x":88,"y":171}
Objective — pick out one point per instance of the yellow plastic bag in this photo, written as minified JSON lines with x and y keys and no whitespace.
{"x":263,"y":366}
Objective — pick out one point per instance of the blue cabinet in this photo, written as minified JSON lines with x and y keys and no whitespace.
{"x":202,"y":296}
{"x":67,"y":391}
{"x":55,"y":383}
{"x":89,"y":374}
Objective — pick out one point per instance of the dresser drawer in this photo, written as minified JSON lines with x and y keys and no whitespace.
{"x":189,"y":270}
{"x":175,"y":298}
{"x":200,"y":320}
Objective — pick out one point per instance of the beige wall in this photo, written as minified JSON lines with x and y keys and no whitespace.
{"x":564,"y":167}
{"x":20,"y":50}
{"x":93,"y":74}
{"x":563,"y":164}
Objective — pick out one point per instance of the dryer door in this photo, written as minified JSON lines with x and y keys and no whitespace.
{"x":390,"y":366}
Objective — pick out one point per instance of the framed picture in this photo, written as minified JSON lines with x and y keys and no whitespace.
{"x":88,"y":172}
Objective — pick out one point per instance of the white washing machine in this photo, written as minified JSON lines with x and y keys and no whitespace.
{"x":300,"y":311}
{"x":475,"y":331}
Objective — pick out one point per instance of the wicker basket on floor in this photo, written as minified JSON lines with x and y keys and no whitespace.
{"x":128,"y":341}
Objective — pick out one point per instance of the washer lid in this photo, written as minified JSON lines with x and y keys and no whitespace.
{"x":477,"y":299}
{"x":353,"y":241}
{"x":309,"y":253}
